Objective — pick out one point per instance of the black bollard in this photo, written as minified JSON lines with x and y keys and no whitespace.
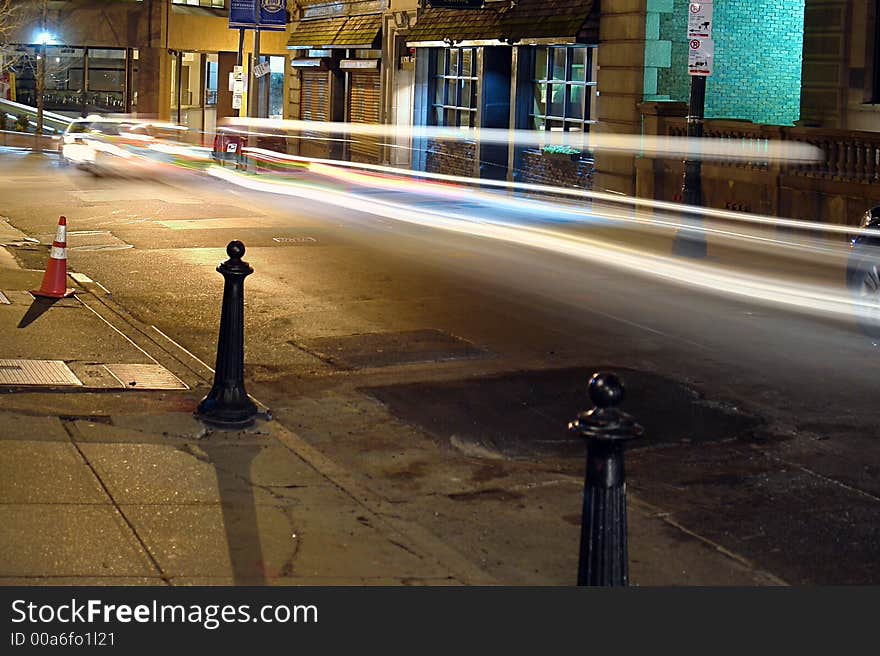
{"x":227,"y":404}
{"x":603,"y":555}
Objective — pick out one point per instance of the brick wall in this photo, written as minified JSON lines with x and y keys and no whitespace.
{"x":758,"y":56}
{"x":556,"y":170}
{"x":451,"y":157}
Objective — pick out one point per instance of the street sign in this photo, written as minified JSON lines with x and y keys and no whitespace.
{"x":701,"y":52}
{"x":261,"y":69}
{"x":237,"y":86}
{"x":700,"y":20}
{"x":266,"y":15}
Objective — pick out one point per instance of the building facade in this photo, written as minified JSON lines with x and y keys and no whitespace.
{"x":169,"y":59}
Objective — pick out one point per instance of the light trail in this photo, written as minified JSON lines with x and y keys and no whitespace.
{"x":814,"y":298}
{"x":578,"y":194}
{"x":747,"y":149}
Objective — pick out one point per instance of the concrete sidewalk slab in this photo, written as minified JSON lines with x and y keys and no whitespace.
{"x":15,"y":426}
{"x":46,"y":472}
{"x":68,"y":540}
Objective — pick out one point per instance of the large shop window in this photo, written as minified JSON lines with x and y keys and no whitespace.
{"x":455,"y":87}
{"x":564,"y":88}
{"x":77,"y":79}
{"x":217,"y":4}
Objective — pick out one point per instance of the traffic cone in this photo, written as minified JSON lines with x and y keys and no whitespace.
{"x":55,"y":280}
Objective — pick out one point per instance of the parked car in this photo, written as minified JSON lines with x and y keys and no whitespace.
{"x":863,"y":274}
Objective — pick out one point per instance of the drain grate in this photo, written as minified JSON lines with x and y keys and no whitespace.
{"x":36,"y":372}
{"x":384,"y":349}
{"x":3,"y":299}
{"x":145,"y":376}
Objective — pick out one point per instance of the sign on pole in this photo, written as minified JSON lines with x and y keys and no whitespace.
{"x":265,"y":15}
{"x":700,"y":20}
{"x":237,"y":86}
{"x":701,"y":47}
{"x":261,"y":69}
{"x":701,"y":52}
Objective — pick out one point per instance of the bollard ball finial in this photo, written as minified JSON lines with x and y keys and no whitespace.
{"x":606,"y":390}
{"x":235,"y":250}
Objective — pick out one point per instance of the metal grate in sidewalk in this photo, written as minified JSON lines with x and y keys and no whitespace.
{"x":145,"y":376}
{"x":37,"y":373}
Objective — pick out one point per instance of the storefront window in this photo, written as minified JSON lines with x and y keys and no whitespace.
{"x":216,"y":4}
{"x":564,"y":88}
{"x":78,"y":80}
{"x":106,"y":80}
{"x":455,"y":89}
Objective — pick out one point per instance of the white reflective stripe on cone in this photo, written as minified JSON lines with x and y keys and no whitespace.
{"x":58,"y":253}
{"x":61,"y":234}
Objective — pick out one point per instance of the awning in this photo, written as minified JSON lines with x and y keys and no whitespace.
{"x":528,"y":21}
{"x":350,"y":32}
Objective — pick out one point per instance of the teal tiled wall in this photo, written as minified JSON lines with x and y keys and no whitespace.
{"x":758,"y":52}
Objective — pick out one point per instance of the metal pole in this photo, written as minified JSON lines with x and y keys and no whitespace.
{"x":253,"y":104}
{"x":41,"y":77}
{"x":690,"y":241}
{"x":240,"y":46}
{"x":179,"y":83}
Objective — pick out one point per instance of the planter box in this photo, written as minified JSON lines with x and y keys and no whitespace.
{"x":557,"y":169}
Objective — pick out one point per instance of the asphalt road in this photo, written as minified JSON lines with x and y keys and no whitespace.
{"x":761,"y":421}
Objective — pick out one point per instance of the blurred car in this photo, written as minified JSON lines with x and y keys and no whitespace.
{"x":127,"y":147}
{"x":93,"y":143}
{"x":863,"y":274}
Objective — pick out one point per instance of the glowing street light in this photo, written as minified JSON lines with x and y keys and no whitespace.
{"x":45,"y":38}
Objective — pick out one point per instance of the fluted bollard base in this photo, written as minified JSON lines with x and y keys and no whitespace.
{"x":603,"y":553}
{"x":227,"y":404}
{"x":603,"y":559}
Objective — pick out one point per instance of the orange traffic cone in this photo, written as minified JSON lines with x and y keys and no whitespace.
{"x":54,"y":281}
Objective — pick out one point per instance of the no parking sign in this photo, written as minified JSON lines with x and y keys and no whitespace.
{"x":701,"y":52}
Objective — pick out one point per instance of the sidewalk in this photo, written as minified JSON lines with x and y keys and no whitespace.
{"x":107,"y":479}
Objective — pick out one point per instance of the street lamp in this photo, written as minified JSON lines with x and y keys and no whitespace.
{"x":45,"y":38}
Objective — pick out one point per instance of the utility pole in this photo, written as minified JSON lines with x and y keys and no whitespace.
{"x":253,"y":81}
{"x":41,"y":74}
{"x":690,"y":241}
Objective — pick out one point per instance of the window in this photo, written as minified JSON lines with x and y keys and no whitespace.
{"x":564,"y":88}
{"x":216,"y":4}
{"x":455,"y":87}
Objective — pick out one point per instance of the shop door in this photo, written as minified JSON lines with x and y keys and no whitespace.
{"x":314,"y":106}
{"x":363,"y":107}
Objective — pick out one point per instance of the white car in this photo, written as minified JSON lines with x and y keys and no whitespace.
{"x":95,"y":143}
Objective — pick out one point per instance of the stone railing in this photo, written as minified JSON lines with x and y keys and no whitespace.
{"x":850,"y":156}
{"x":837,"y":189}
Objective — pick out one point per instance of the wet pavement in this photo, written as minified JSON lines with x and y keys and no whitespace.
{"x":434,"y":375}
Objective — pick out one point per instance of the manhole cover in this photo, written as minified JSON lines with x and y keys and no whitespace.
{"x":295,"y":240}
{"x":145,"y":376}
{"x":526,"y":413}
{"x":36,"y":372}
{"x":3,"y":299}
{"x":384,"y":349}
